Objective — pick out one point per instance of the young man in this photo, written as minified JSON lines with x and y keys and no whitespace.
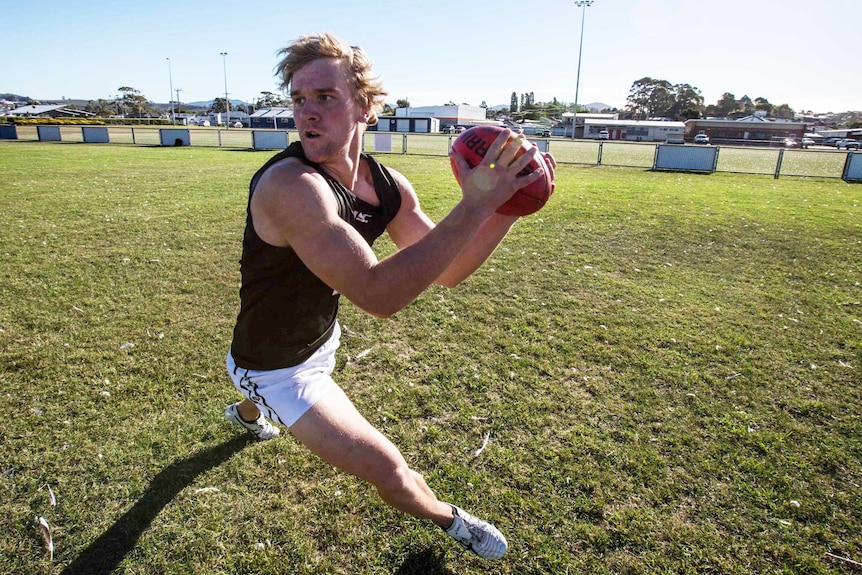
{"x":313,"y":212}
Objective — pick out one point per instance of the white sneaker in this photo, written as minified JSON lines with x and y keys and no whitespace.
{"x":478,"y":536}
{"x":262,"y":429}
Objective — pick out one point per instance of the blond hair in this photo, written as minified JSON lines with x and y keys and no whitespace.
{"x":368,"y":90}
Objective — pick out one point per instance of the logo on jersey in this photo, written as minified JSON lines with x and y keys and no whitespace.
{"x":361,"y":217}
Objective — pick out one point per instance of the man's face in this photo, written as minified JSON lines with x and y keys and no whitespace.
{"x":324,"y":109}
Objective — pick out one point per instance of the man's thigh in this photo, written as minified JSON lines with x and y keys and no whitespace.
{"x":337,"y":433}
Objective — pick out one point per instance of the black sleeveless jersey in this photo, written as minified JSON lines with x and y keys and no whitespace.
{"x":286,"y":312}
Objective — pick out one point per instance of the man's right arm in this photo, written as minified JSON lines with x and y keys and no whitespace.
{"x":293,"y":205}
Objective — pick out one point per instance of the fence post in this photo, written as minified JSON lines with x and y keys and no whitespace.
{"x":599,"y":159}
{"x":219,"y":137}
{"x":133,"y":136}
{"x":404,"y":144}
{"x":778,"y":164}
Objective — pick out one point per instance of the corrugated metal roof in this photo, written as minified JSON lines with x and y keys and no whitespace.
{"x":273,"y":112}
{"x":35,"y":109}
{"x":641,"y":123}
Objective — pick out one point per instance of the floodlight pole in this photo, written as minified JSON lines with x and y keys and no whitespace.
{"x":178,"y":90}
{"x":582,"y":4}
{"x":171,"y":80}
{"x":226,"y":101}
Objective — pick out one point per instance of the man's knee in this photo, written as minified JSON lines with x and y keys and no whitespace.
{"x":396,"y":477}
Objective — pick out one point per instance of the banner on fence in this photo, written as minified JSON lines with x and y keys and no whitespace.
{"x":48,"y":133}
{"x":8,"y":132}
{"x":269,"y":140}
{"x":174,"y":137}
{"x":686,"y":158}
{"x":382,"y":142}
{"x":853,"y":167}
{"x":95,"y":135}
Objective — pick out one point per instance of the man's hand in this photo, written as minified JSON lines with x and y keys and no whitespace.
{"x":495,"y":179}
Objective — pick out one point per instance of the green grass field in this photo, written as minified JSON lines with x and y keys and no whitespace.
{"x":667,"y":368}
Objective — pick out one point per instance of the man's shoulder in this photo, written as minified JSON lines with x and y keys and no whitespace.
{"x":290,"y":171}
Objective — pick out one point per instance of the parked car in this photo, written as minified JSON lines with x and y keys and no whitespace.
{"x":604,"y":135}
{"x":790,"y":143}
{"x":806,"y":142}
{"x":543,"y":133}
{"x":701,"y":139}
{"x":847,"y":143}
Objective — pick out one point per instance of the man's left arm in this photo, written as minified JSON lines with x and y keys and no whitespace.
{"x":411,"y":224}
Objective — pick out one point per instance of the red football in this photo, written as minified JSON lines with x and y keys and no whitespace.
{"x":473,"y":144}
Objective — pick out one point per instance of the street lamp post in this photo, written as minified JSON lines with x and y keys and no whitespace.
{"x":226,"y":101}
{"x":582,"y":4}
{"x":178,"y":90}
{"x":171,"y":99}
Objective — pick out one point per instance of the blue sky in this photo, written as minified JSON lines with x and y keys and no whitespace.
{"x":801,"y":52}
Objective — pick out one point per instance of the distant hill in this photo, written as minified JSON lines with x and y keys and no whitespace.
{"x":208,"y":103}
{"x":597,"y":106}
{"x":14,"y":98}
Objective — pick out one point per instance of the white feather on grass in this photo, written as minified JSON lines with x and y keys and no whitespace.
{"x":46,"y":535}
{"x":484,"y":445}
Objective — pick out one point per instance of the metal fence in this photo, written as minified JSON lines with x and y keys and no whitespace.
{"x":818,"y":162}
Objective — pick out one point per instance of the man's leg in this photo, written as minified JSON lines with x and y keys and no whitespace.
{"x":248,"y":410}
{"x":337,"y":433}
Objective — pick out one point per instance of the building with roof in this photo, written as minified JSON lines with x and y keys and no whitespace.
{"x":48,"y":111}
{"x":755,"y":130}
{"x":413,"y":124}
{"x":272,"y":118}
{"x":457,"y":115}
{"x":634,"y":130}
{"x":564,"y":127}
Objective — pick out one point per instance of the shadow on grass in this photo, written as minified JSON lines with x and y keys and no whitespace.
{"x":426,"y":562}
{"x":105,"y":553}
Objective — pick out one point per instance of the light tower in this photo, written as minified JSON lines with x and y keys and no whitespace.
{"x":171,"y":98}
{"x":226,"y":101}
{"x":582,"y":4}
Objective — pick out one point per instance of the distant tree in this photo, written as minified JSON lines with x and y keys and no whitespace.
{"x":690,"y":114}
{"x":219,"y":105}
{"x":762,"y":104}
{"x":727,"y":104}
{"x":783,"y":111}
{"x":387,"y":110}
{"x":402,"y":103}
{"x":649,"y":97}
{"x":513,"y":103}
{"x":688,"y":102}
{"x":271,"y":100}
{"x":746,"y":104}
{"x":483,"y":105}
{"x":133,"y":103}
{"x":99,"y":107}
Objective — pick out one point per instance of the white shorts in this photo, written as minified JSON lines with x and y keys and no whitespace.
{"x":283,"y":395}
